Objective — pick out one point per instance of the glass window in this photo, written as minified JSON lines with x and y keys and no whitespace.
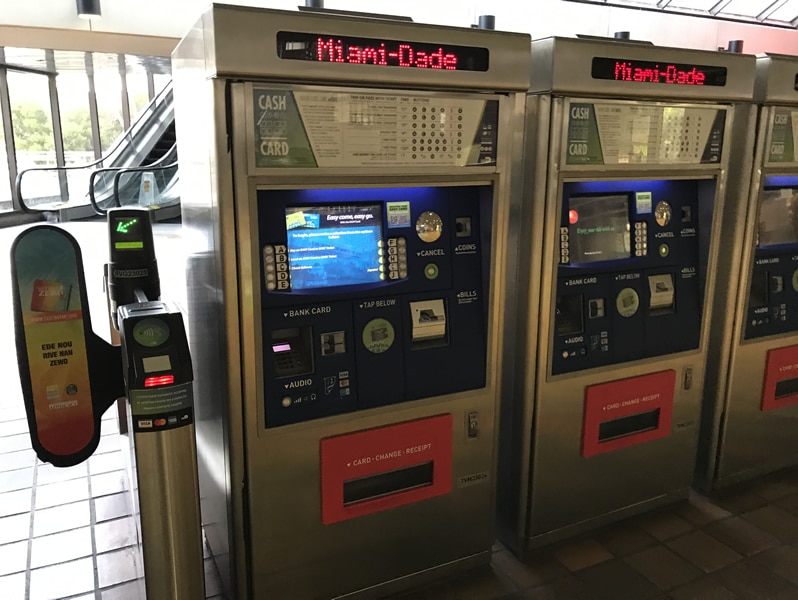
{"x":73,"y":100}
{"x":108,"y":85}
{"x":32,"y":127}
{"x":5,"y":185}
{"x":746,"y":8}
{"x":787,"y":12}
{"x":699,"y":5}
{"x":137,"y":92}
{"x":161,"y":81}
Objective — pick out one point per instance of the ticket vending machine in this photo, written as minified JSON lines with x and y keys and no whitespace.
{"x":348,"y":209}
{"x":630,"y":188}
{"x":749,"y":425}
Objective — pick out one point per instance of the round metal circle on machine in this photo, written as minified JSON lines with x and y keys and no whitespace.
{"x":664,"y":250}
{"x":662,"y":213}
{"x":431,"y":271}
{"x":795,"y":280}
{"x":429,"y":226}
{"x":627,"y":302}
{"x":378,"y":335}
{"x":151,"y":332}
{"x":287,"y":400}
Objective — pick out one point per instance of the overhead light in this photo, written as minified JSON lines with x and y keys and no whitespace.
{"x":89,"y":9}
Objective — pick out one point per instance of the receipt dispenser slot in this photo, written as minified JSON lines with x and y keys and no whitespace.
{"x":384,"y":484}
{"x":429,"y":320}
{"x":617,"y":428}
{"x":787,"y":387}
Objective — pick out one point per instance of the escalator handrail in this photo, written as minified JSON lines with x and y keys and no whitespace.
{"x":126,"y":136}
{"x":122,"y":172}
{"x":157,"y":165}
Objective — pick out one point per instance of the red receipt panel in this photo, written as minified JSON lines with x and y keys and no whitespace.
{"x":627,"y":412}
{"x":373,"y":470}
{"x":781,"y":378}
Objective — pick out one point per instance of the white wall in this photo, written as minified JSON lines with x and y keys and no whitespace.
{"x":540,"y":18}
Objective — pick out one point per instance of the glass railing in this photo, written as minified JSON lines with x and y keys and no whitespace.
{"x":47,"y":188}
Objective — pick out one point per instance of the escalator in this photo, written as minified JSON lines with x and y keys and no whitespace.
{"x":82,"y":191}
{"x":154,"y":185}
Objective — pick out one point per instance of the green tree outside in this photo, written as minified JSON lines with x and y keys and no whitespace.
{"x":33,"y":131}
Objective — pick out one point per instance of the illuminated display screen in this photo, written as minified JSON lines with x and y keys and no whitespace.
{"x":644,"y":71}
{"x":778,"y":217}
{"x":598,"y":228}
{"x":330,"y":246}
{"x":127,"y":233}
{"x":324,"y":48}
{"x":281,"y":348}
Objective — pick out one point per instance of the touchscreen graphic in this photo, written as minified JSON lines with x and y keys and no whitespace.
{"x":778,"y":217}
{"x":330,"y":246}
{"x":599,"y":228}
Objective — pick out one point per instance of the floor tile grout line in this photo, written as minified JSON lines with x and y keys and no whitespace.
{"x":29,"y":559}
{"x":93,"y":525}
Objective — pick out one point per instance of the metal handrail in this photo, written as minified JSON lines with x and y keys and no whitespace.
{"x":125,"y":136}
{"x":157,"y":165}
{"x":124,"y":171}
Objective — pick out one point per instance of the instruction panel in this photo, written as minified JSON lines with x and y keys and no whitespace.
{"x":634,"y":133}
{"x":330,"y":129}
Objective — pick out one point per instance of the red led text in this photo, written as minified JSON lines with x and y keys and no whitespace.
{"x":627,"y":71}
{"x":331,"y":50}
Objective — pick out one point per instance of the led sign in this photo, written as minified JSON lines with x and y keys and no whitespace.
{"x":645,"y":71}
{"x":324,"y":48}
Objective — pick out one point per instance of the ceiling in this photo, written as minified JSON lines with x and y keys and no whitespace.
{"x":69,"y":60}
{"x":777,"y":13}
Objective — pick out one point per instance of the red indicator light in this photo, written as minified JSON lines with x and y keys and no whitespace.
{"x":159,"y":380}
{"x":573,"y":217}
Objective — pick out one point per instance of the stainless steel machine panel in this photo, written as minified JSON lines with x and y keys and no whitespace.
{"x":349,"y":260}
{"x":750,"y":410}
{"x":571,"y":66}
{"x":254,"y":52}
{"x":608,"y":381}
{"x":776,"y":79}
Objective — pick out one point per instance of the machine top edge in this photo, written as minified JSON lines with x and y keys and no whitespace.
{"x":776,"y":79}
{"x":564,"y":65}
{"x":241,"y":42}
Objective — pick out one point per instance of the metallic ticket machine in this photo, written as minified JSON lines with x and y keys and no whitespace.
{"x":348,"y":203}
{"x":630,"y":190}
{"x":752,"y":378}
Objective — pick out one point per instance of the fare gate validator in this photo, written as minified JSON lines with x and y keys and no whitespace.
{"x":70,"y":377}
{"x":628,"y":179}
{"x":752,"y":381}
{"x":349,"y":265}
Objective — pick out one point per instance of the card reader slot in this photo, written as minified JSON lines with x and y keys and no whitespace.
{"x":387,"y":483}
{"x":630,"y":425}
{"x":292,"y":351}
{"x":787,"y":387}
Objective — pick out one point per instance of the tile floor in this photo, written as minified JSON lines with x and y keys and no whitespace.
{"x":743,"y":545}
{"x":68,"y":533}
